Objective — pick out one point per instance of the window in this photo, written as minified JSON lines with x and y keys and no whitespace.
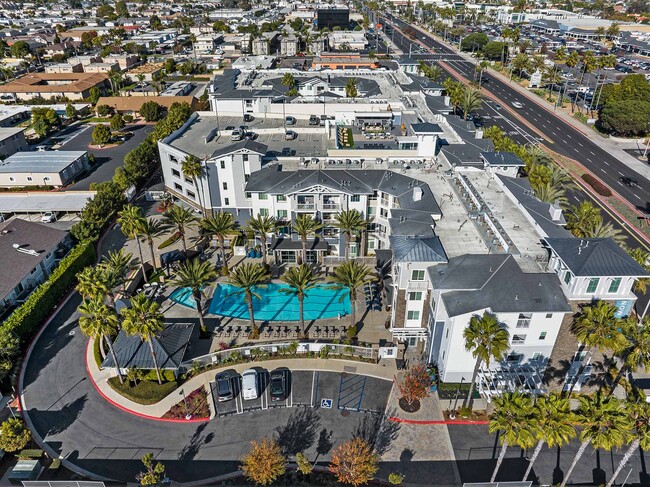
{"x":264,"y":212}
{"x":190,"y":194}
{"x":542,"y":335}
{"x":518,"y":339}
{"x":549,"y":315}
{"x":189,"y":181}
{"x":593,"y":284}
{"x":11,"y":178}
{"x":524,"y":320}
{"x":355,"y":198}
{"x":222,"y":164}
{"x":383,"y":212}
{"x":263,"y":196}
{"x":415,"y":296}
{"x":536,"y":356}
{"x":245,"y":157}
{"x":224,"y":185}
{"x":248,"y":195}
{"x":178,"y":187}
{"x":567,"y":277}
{"x":282,"y":214}
{"x":246,"y":177}
{"x":226,"y":201}
{"x":413,"y":315}
{"x":614,"y":285}
{"x":46,"y":178}
{"x":176,"y":173}
{"x":280,"y":197}
{"x":29,"y":178}
{"x":417,"y":276}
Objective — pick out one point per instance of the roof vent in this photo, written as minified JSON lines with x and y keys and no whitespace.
{"x":516,"y":297}
{"x":417,"y":193}
{"x":25,"y":251}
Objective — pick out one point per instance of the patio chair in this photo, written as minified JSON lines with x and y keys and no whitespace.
{"x":268,"y":332}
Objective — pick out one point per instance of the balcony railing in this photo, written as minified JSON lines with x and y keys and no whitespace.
{"x":306,"y":206}
{"x":331,"y":206}
{"x":417,"y":285}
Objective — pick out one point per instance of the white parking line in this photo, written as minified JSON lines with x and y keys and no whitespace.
{"x":313,"y":382}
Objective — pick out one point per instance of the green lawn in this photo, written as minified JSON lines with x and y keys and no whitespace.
{"x":146,"y":392}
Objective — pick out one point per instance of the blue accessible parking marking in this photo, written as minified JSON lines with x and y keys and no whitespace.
{"x":351,"y":390}
{"x":326,"y":403}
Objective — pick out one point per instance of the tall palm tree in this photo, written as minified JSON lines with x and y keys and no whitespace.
{"x":483,"y":65}
{"x":550,"y":193}
{"x":513,"y":418}
{"x":100,"y":322}
{"x":581,"y":219}
{"x":350,"y":222}
{"x":597,"y":327}
{"x":351,"y":275}
{"x":472,"y":100}
{"x":181,"y":219}
{"x":221,"y":225}
{"x":195,"y":275}
{"x":603,"y":229}
{"x":643,"y":259}
{"x":288,"y":80}
{"x":305,"y":225}
{"x":636,"y":352}
{"x":116,"y":266}
{"x":554,"y":426}
{"x":144,"y":319}
{"x":247,"y":277}
{"x":300,"y":280}
{"x":262,"y":225}
{"x":487,"y":341}
{"x":151,"y":228}
{"x":130,"y":220}
{"x":193,"y":169}
{"x":92,"y":283}
{"x":520,"y":63}
{"x":604,"y":423}
{"x":640,"y":414}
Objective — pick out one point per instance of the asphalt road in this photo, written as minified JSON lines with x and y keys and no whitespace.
{"x":559,"y":135}
{"x":75,"y":421}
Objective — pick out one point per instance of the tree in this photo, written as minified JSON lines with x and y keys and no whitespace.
{"x":604,"y":423}
{"x":520,"y":63}
{"x":116,"y":266}
{"x":351,"y":88}
{"x":154,"y":473}
{"x":9,"y":349}
{"x":151,"y":111}
{"x":264,"y":462}
{"x":554,"y":424}
{"x":220,"y":26}
{"x":513,"y":417}
{"x":221,"y":225}
{"x":101,"y":134}
{"x":181,"y":218}
{"x":643,"y":259}
{"x":262,"y":225}
{"x":144,"y":319}
{"x":597,"y":328}
{"x":640,"y":415}
{"x":351,"y":275}
{"x":117,"y":122}
{"x":613,"y":30}
{"x":636,"y":352}
{"x":354,"y":462}
{"x":14,"y":435}
{"x":415,"y":384}
{"x":626,"y":117}
{"x":104,"y":110}
{"x":196,"y":275}
{"x":247,"y":277}
{"x":472,"y":100}
{"x":93,"y":95}
{"x":300,"y":280}
{"x":474,"y":41}
{"x":20,"y":49}
{"x":455,"y":91}
{"x":495,"y":51}
{"x":582,"y":219}
{"x":131,"y":221}
{"x":288,"y":80}
{"x":349,"y":222}
{"x":70,"y":111}
{"x":100,"y":322}
{"x":151,"y":228}
{"x":140,"y":162}
{"x":155,"y":23}
{"x":305,"y":225}
{"x":487,"y":341}
{"x":193,"y":169}
{"x":120,"y":9}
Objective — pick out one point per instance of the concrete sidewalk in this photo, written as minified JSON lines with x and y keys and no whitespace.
{"x":386,"y":370}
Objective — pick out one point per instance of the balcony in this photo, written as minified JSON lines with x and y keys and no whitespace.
{"x":331,"y":206}
{"x":306,"y":207}
{"x":417,"y":286}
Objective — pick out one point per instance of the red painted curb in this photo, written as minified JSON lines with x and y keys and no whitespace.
{"x":135,"y":413}
{"x":441,"y":421}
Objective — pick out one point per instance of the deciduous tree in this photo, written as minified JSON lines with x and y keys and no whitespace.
{"x":354,"y":462}
{"x":264,"y":462}
{"x":414,"y":385}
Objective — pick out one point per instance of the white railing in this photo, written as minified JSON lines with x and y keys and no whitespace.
{"x":306,"y":206}
{"x":334,"y":260}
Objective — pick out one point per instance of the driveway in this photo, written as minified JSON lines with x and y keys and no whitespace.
{"x":66,"y":410}
{"x":107,"y":160}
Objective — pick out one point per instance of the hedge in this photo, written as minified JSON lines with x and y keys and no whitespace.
{"x":598,"y":187}
{"x":29,"y":316}
{"x":146,"y":392}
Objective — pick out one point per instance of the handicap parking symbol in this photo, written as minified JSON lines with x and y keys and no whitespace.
{"x":326,"y":403}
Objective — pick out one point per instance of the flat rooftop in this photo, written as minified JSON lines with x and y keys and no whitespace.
{"x":48,"y":161}
{"x":40,"y":202}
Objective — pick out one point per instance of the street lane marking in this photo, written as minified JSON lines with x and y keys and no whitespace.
{"x":603,"y":170}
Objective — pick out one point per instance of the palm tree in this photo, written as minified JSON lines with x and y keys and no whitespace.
{"x":472,"y":100}
{"x":181,"y":219}
{"x":151,"y":228}
{"x":131,"y":220}
{"x":116,"y":266}
{"x":483,"y":65}
{"x":597,"y":327}
{"x":305,"y":225}
{"x":100,"y":322}
{"x":643,"y":259}
{"x":435,"y":73}
{"x":350,"y":222}
{"x":520,"y":63}
{"x":193,"y":169}
{"x":247,"y":277}
{"x":351,"y":275}
{"x":91,"y":283}
{"x":551,"y":194}
{"x":262,"y":225}
{"x":513,"y":418}
{"x":487,"y":341}
{"x":351,"y":88}
{"x":221,"y":225}
{"x":636,"y":352}
{"x":288,"y":80}
{"x":554,"y":426}
{"x":603,"y":229}
{"x":582,"y":219}
{"x":300,"y":280}
{"x":640,"y":415}
{"x":604,"y":424}
{"x":195,"y":275}
{"x":144,"y":319}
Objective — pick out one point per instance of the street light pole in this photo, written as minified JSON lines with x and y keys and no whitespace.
{"x":456,"y":401}
{"x":188,"y":416}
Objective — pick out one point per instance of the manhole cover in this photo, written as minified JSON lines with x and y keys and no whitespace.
{"x":345,"y":413}
{"x":71,"y":333}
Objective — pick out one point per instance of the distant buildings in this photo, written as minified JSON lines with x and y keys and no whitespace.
{"x":73,"y":86}
{"x":333,"y":17}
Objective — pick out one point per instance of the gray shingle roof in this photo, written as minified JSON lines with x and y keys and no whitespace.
{"x":474,"y":282}
{"x":420,"y":249}
{"x":595,"y":257}
{"x":468,"y":153}
{"x":247,"y":144}
{"x":426,"y":128}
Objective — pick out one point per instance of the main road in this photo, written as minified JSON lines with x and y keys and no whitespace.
{"x":559,"y":135}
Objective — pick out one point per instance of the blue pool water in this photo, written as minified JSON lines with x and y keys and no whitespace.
{"x":320,"y":302}
{"x":183,"y":295}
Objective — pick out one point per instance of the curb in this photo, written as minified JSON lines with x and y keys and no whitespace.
{"x":130,"y":411}
{"x":435,"y":422}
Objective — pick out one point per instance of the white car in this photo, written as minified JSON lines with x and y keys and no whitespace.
{"x":517,"y":105}
{"x":48,"y":217}
{"x":249,"y":384}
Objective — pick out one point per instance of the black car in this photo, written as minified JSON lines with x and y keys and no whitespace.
{"x":224,"y":387}
{"x":279,"y":385}
{"x":314,"y":120}
{"x":632,"y":183}
{"x":248,"y":117}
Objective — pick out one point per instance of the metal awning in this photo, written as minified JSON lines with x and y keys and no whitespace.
{"x":290,"y":244}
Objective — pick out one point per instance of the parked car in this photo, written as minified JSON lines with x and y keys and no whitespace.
{"x":314,"y":120}
{"x":48,"y":217}
{"x":290,"y":135}
{"x":237,"y":135}
{"x":224,"y":386}
{"x":249,"y":384}
{"x":248,"y":117}
{"x":279,"y":385}
{"x":290,"y":120}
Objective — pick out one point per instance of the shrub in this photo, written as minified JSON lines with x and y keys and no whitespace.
{"x":127,"y":118}
{"x":352,"y":332}
{"x":167,"y":375}
{"x":304,"y":465}
{"x":55,"y":465}
{"x":97,"y":353}
{"x":104,"y":110}
{"x":395,"y":478}
{"x":145,"y":392}
{"x":34,"y":454}
{"x":14,"y":435}
{"x":197,"y":406}
{"x":598,"y":187}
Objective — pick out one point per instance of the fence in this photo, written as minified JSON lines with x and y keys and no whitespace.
{"x":284,"y":349}
{"x":60,"y":483}
{"x":332,"y":260}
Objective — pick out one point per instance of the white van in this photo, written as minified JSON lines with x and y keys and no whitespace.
{"x":249,"y":384}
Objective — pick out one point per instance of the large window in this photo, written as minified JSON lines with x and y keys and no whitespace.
{"x":524,"y":320}
{"x":355,"y":198}
{"x":518,"y":339}
{"x":415,"y":296}
{"x":542,"y":335}
{"x":417,"y":275}
{"x":614,"y":285}
{"x":263,"y":196}
{"x":281,"y":197}
{"x":567,"y":277}
{"x":413,"y":315}
{"x":282,"y":214}
{"x":264,"y":212}
{"x":593,"y":285}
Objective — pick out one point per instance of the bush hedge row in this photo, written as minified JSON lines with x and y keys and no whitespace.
{"x":598,"y":187}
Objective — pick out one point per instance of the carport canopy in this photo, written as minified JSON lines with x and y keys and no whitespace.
{"x":40,"y":202}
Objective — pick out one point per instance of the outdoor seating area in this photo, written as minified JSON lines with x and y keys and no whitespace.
{"x":281,"y":331}
{"x":373,"y":296}
{"x":152,"y":290}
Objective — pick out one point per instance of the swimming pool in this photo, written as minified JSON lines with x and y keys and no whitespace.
{"x":183,"y":295}
{"x":320,"y":302}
